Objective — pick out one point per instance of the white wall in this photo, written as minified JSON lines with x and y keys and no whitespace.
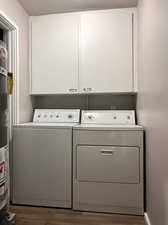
{"x":153,"y":103}
{"x":18,"y":15}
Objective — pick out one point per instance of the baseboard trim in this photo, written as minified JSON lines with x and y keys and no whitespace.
{"x":147,"y":220}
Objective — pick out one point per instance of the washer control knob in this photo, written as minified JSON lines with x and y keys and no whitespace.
{"x":38,"y":115}
{"x":57,"y":116}
{"x":128,"y":117}
{"x":70,"y":116}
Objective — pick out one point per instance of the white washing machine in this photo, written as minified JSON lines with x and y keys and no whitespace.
{"x":108,"y":163}
{"x":42,"y":159}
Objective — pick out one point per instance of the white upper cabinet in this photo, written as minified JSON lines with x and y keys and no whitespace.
{"x":86,"y":52}
{"x":54,"y":54}
{"x":106,"y":51}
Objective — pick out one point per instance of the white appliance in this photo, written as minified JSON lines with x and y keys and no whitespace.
{"x":108,"y":163}
{"x":42,"y":158}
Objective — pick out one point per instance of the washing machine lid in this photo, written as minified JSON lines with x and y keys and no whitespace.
{"x":35,"y":125}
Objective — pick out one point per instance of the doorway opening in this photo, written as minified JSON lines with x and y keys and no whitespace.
{"x":9,"y":34}
{"x":9,"y":37}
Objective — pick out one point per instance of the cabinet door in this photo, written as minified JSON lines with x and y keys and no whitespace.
{"x":54,"y":56}
{"x":106,"y":51}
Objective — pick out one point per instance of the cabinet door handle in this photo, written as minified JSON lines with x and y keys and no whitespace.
{"x":107,"y":152}
{"x":87,"y":89}
{"x":72,"y":90}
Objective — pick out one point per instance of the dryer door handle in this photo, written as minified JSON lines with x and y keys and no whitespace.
{"x":107,"y":151}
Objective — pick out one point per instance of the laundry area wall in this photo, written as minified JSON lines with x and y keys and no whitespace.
{"x":152,"y":103}
{"x":99,"y":101}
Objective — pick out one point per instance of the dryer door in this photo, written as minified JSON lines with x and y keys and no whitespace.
{"x":108,"y":164}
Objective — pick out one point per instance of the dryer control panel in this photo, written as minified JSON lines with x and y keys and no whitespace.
{"x":109,"y":117}
{"x":56,"y":116}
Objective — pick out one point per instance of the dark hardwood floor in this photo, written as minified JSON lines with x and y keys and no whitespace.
{"x":26,"y":215}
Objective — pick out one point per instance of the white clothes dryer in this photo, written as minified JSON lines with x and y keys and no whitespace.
{"x":108,"y":169}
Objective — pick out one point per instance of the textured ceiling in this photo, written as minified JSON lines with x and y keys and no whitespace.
{"x":39,"y":7}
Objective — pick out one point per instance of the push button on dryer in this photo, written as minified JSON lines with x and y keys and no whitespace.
{"x":90,"y":117}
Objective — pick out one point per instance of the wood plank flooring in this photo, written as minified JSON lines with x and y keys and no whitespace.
{"x":26,"y":215}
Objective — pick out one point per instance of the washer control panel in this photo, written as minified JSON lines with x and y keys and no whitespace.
{"x":111,"y":117}
{"x":56,"y":116}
